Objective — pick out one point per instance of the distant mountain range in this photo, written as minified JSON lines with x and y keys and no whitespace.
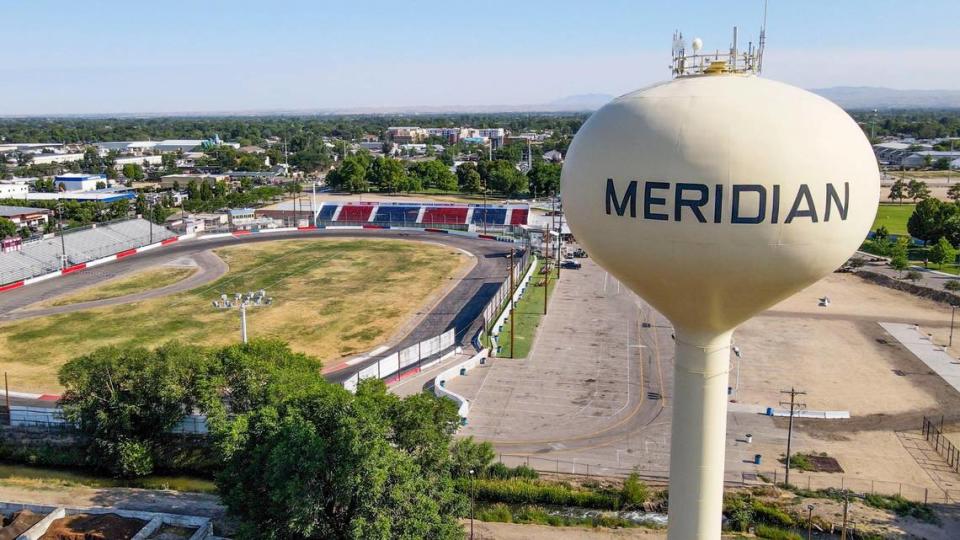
{"x":870,"y":97}
{"x":848,"y":97}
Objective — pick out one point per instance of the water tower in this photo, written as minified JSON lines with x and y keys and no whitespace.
{"x":713,"y":196}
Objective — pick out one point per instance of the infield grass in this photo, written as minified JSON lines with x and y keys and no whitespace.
{"x":144,"y":280}
{"x":332,"y":298}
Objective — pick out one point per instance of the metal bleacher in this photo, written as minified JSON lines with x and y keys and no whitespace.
{"x":81,"y":246}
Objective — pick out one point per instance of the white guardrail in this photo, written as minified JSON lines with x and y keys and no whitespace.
{"x":441,"y":380}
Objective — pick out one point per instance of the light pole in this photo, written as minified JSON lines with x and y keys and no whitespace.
{"x":736,"y":352}
{"x":809,"y":522}
{"x":513,"y":307}
{"x":472,"y":497}
{"x":242,"y":302}
{"x":953,"y":312}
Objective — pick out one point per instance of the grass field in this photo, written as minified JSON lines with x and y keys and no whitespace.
{"x":894,"y":217}
{"x":145,"y":280}
{"x":332,"y":298}
{"x":58,"y":479}
{"x":529,"y":312}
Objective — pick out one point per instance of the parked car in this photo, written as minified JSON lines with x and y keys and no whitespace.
{"x":579,"y":252}
{"x":571,"y":265}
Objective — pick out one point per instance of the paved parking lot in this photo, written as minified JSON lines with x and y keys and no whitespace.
{"x":595,"y":389}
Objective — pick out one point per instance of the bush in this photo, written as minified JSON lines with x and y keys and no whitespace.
{"x":914,"y":276}
{"x":902,"y":507}
{"x":799,"y":462}
{"x":468,"y":455}
{"x":634,"y":492}
{"x":739,"y":514}
{"x":952,"y":285}
{"x":519,"y":491}
{"x":500,"y":471}
{"x":130,"y":459}
{"x":763,"y":513}
{"x":775,"y":533}
{"x":499,"y":513}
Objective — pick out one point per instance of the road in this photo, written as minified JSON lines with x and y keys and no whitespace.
{"x":460,"y":308}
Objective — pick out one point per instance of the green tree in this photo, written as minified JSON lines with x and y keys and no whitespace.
{"x":941,"y":252}
{"x":328,"y":464}
{"x":881,"y":233}
{"x":942,"y":164}
{"x":434,"y":174}
{"x":133,"y":171}
{"x":954,"y":193}
{"x":125,"y":398}
{"x":898,"y":255}
{"x":917,"y":189}
{"x":502,"y":176}
{"x":387,"y":175}
{"x":468,"y":179}
{"x":7,"y":228}
{"x":544,"y":178}
{"x":470,"y":455}
{"x":929,"y":219}
{"x":898,"y":190}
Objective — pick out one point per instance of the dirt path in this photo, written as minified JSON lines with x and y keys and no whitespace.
{"x":147,"y":500}
{"x":210,"y":267}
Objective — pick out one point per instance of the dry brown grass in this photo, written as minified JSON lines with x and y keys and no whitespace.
{"x":332,"y":298}
{"x":144,"y":280}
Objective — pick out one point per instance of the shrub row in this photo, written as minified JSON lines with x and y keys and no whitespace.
{"x":519,"y":491}
{"x":502,"y":513}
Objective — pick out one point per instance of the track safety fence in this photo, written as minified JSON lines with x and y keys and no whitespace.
{"x":406,"y":361}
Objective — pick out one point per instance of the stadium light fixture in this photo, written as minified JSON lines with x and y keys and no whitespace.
{"x":242,"y":301}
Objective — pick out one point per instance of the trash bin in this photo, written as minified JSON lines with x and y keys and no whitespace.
{"x":749,"y":438}
{"x":756,"y":459}
{"x":729,"y":390}
{"x":443,"y":384}
{"x":769,"y":411}
{"x":463,"y":421}
{"x":463,"y":371}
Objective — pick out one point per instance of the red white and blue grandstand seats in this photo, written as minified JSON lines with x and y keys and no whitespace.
{"x":426,"y":214}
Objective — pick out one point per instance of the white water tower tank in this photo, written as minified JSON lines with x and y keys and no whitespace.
{"x":713,"y":197}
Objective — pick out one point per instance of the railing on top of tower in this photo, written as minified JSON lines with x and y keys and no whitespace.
{"x":731,"y":61}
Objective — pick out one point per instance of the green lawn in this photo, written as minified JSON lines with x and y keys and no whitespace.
{"x":529,"y":312}
{"x":894,"y":217}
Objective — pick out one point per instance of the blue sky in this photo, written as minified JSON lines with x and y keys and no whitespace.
{"x":66,"y":57}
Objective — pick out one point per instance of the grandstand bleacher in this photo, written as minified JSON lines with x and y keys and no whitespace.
{"x":445,"y":215}
{"x":43,"y":257}
{"x":397,"y":214}
{"x":490,"y":216}
{"x":451,"y":215}
{"x":355,"y":213}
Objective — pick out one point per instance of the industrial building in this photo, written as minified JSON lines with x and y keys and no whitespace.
{"x":79,"y":181}
{"x":24,"y":216}
{"x":927,"y":158}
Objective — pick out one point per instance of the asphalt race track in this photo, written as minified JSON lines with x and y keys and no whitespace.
{"x":460,"y":308}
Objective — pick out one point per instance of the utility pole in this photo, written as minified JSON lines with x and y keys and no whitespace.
{"x":809,"y":522}
{"x":793,"y":407}
{"x":6,"y":388}
{"x":546,"y":282}
{"x":559,"y":240}
{"x":846,"y":505}
{"x":513,"y":314}
{"x":63,"y":241}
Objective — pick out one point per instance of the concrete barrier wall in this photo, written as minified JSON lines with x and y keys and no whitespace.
{"x":441,"y":380}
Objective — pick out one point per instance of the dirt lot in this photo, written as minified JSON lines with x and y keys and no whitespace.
{"x":845,"y":361}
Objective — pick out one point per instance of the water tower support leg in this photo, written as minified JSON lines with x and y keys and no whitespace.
{"x":699,"y":427}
